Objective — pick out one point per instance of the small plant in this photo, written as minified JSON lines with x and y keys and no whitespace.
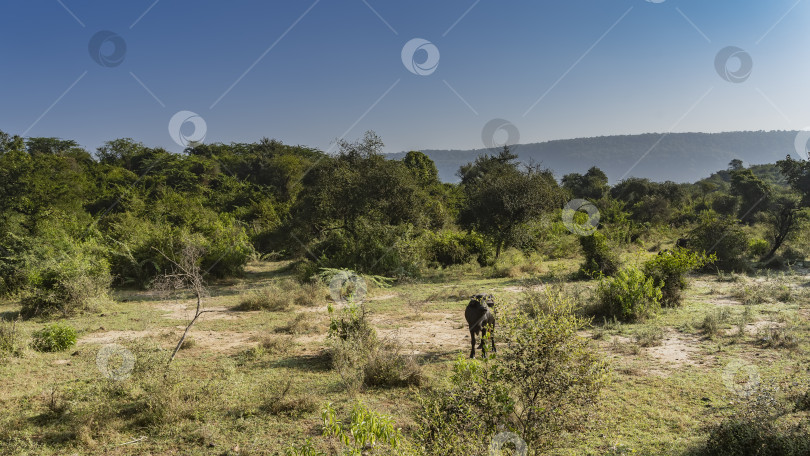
{"x":758,"y":247}
{"x":650,"y":337}
{"x":387,"y":367}
{"x":54,"y":338}
{"x":10,"y":338}
{"x":367,"y":430}
{"x":778,"y":337}
{"x":629,"y":296}
{"x":712,"y":321}
{"x":752,"y":294}
{"x":301,"y":324}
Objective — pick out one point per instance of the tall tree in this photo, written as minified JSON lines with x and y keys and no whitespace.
{"x":501,"y":198}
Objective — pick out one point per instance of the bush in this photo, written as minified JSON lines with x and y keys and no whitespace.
{"x":139,"y":240}
{"x":724,"y":237}
{"x":599,"y":258}
{"x":669,"y":269}
{"x":374,"y":248}
{"x":452,"y":247}
{"x":629,"y":296}
{"x":755,"y":430}
{"x":55,"y":337}
{"x":64,"y":277}
{"x":758,"y":247}
{"x":545,"y":380}
{"x":11,"y":342}
{"x":387,"y":367}
{"x":281,"y":296}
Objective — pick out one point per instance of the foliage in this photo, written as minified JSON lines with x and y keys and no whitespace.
{"x":755,"y":430}
{"x":544,"y":380}
{"x":452,"y":247}
{"x":723,"y":237}
{"x":63,"y":276}
{"x":367,"y":430}
{"x":501,"y":198}
{"x":54,"y":337}
{"x":600,"y":258}
{"x":629,"y":296}
{"x":669,"y":269}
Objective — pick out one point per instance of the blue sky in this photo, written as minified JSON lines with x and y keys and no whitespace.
{"x":598,"y":68}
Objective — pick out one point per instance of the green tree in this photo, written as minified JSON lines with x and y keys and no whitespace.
{"x":500,"y":198}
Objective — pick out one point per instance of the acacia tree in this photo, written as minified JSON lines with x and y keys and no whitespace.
{"x":501,"y":198}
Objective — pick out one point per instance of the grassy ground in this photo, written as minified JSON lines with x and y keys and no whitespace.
{"x":225,"y":393}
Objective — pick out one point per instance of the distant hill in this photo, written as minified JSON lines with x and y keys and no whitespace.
{"x":679,"y":157}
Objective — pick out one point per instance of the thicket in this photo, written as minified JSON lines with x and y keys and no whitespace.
{"x":73,"y":223}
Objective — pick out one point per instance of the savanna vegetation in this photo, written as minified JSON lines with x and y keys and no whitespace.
{"x":272,"y":299}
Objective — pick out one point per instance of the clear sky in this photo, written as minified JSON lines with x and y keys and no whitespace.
{"x":307,"y":72}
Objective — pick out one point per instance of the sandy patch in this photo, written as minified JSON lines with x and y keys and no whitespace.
{"x":436,"y":331}
{"x":185,"y":311}
{"x":677,"y":350}
{"x":383,"y":297}
{"x":108,"y":337}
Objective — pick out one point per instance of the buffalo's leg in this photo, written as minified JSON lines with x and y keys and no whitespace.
{"x":483,"y":346}
{"x":472,"y":336}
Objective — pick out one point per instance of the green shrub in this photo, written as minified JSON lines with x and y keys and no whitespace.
{"x":55,"y":337}
{"x":723,"y":237}
{"x":758,"y":247}
{"x":669,"y":269}
{"x":756,"y":430}
{"x":452,"y":247}
{"x":629,"y":296}
{"x":64,"y":277}
{"x":366,"y":430}
{"x":396,"y":251}
{"x":544,"y":379}
{"x":599,"y":257}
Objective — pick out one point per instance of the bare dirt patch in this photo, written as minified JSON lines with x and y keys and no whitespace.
{"x":434,"y":332}
{"x":678,"y":350}
{"x":108,"y":337}
{"x":185,"y":311}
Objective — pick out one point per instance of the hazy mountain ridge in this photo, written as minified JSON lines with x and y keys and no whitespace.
{"x":679,"y":157}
